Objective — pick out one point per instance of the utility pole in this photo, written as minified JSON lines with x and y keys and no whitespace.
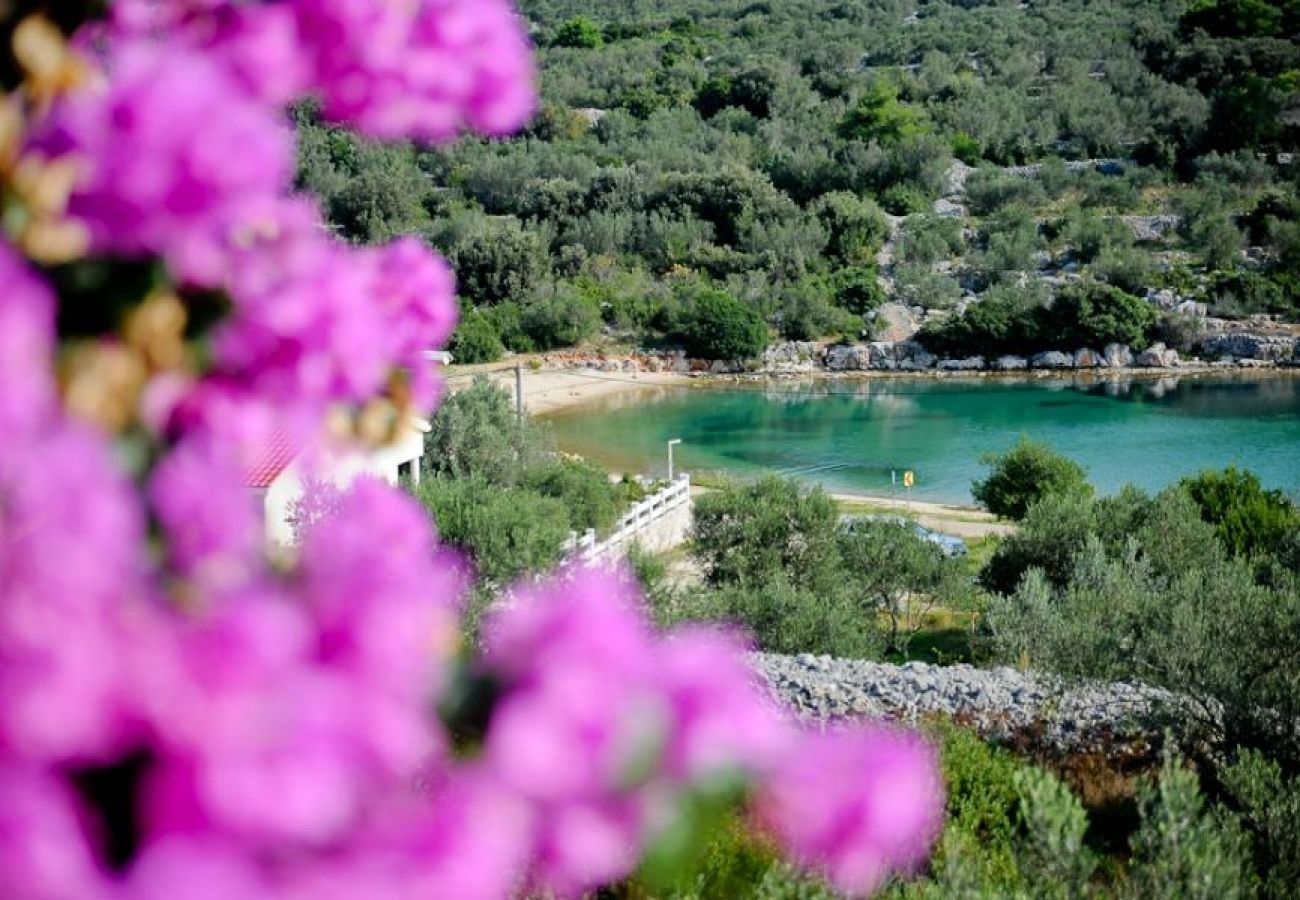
{"x":519,"y":391}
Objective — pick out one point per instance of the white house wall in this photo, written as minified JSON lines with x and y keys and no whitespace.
{"x":339,"y":469}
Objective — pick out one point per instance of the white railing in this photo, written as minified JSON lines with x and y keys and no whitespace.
{"x":586,"y":548}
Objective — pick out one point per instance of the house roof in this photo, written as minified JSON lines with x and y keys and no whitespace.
{"x":271,"y":459}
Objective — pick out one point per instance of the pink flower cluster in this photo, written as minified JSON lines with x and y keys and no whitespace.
{"x":181,"y":715}
{"x":425,"y":70}
{"x":604,"y":727}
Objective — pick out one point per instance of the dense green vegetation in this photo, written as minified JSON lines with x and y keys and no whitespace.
{"x":691,"y":149}
{"x":1141,"y":587}
{"x":1024,"y":475}
{"x":498,"y":491}
{"x":779,"y":562}
{"x":1195,"y":589}
{"x":1021,"y":831}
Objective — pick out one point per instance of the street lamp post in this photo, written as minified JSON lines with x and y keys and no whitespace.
{"x":673,"y":443}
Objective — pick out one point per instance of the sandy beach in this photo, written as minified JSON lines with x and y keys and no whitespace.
{"x":966,"y":522}
{"x":548,"y":390}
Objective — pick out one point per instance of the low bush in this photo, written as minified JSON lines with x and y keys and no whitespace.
{"x":988,"y":191}
{"x":784,"y":618}
{"x":1094,"y":315}
{"x":1248,"y":519}
{"x":477,"y":432}
{"x":857,"y":289}
{"x":714,"y":325}
{"x":583,"y":488}
{"x":565,"y":318}
{"x":475,"y":340}
{"x":748,"y":534}
{"x":1025,"y":474}
{"x":507,"y":532}
{"x":1007,"y":320}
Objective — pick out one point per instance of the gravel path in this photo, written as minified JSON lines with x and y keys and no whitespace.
{"x":1002,"y":704}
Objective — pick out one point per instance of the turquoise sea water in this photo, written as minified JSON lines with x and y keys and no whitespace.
{"x":849,"y":435}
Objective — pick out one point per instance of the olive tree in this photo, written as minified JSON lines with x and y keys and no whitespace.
{"x":896,"y":573}
{"x":1025,"y":474}
{"x":747,"y":534}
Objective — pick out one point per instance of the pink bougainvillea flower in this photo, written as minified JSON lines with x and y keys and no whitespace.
{"x":72,"y":566}
{"x":168,"y":150}
{"x":27,"y":396}
{"x":428,"y":69}
{"x":856,"y":804}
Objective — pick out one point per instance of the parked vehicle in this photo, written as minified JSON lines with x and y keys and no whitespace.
{"x":950,"y":545}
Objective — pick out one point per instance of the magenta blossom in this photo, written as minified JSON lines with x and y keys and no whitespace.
{"x":428,"y":69}
{"x":856,"y":804}
{"x":214,"y":536}
{"x":72,"y":566}
{"x":258,"y":43}
{"x":169,"y":152}
{"x":26,"y":337}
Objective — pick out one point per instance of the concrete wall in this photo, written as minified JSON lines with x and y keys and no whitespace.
{"x":659,"y":522}
{"x":669,"y":531}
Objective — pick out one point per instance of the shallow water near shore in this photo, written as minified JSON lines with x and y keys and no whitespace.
{"x":851,"y":434}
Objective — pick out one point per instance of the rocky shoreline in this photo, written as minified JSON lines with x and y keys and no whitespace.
{"x":1002,"y":705}
{"x":1232,"y":350}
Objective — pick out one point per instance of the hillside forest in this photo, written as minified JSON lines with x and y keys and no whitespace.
{"x":768,"y":170}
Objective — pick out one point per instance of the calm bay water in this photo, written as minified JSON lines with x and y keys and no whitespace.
{"x":849,"y":435}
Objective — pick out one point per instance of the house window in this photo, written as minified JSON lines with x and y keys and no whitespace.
{"x":407,"y":473}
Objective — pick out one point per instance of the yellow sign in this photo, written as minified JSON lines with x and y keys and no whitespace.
{"x":909,"y":478}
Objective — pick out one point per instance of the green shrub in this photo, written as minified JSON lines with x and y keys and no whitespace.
{"x":1026,"y":474}
{"x":566,"y":318}
{"x":966,"y":148}
{"x":857,"y":227}
{"x":1052,"y":852}
{"x":928,"y":239}
{"x":905,"y":199}
{"x":1182,"y":850}
{"x":1248,"y":519}
{"x":924,"y":287}
{"x":508,"y":532}
{"x":748,"y":534}
{"x":1248,"y":293}
{"x":1050,"y":534}
{"x":807,"y":313}
{"x":1007,"y":320}
{"x":857,"y":289}
{"x":583,"y":488}
{"x":901,"y":575}
{"x":477,"y":432}
{"x":981,"y":802}
{"x":1126,"y":268}
{"x":475,"y":340}
{"x":1094,"y":315}
{"x":988,"y":191}
{"x":1270,"y":808}
{"x":785,"y":618}
{"x":880,"y":116}
{"x":580,"y":32}
{"x":715,"y":325}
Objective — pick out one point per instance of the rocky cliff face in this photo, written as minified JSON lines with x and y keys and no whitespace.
{"x":1235,"y":348}
{"x":1269,"y":347}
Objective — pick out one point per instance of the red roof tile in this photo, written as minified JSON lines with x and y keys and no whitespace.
{"x":269,"y":461}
